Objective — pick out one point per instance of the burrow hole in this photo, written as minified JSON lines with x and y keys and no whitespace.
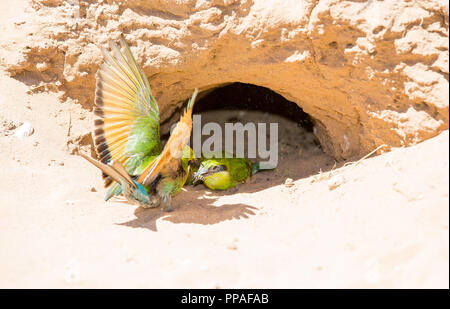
{"x":298,"y":150}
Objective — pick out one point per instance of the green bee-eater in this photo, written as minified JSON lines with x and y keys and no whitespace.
{"x":127,"y":134}
{"x":224,"y":173}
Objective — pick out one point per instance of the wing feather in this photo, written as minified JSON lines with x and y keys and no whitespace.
{"x":127,"y":123}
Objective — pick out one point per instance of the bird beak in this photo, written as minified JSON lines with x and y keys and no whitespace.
{"x":198,"y":176}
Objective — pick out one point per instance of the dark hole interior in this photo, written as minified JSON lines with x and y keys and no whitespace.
{"x":298,"y":150}
{"x":240,"y":96}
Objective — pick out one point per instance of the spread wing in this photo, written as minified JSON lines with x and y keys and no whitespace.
{"x":127,"y":123}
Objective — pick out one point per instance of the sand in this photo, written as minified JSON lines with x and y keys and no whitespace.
{"x":380,"y":224}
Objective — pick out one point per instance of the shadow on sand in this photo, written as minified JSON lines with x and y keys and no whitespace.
{"x":197,"y":204}
{"x":195,"y":207}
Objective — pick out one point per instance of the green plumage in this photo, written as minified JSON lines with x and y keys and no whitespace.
{"x":127,"y":128}
{"x":223,"y":173}
{"x":127,"y":139}
{"x":127,"y":133}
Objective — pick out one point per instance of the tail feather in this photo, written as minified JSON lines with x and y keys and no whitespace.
{"x":113,"y":170}
{"x":121,"y":170}
{"x":114,"y":189}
